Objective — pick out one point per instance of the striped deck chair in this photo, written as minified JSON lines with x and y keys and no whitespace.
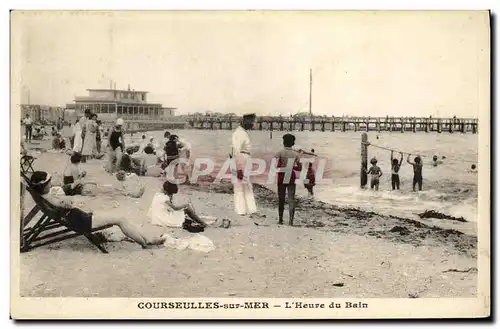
{"x":51,"y":227}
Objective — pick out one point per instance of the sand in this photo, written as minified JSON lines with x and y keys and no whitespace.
{"x":331,"y":252}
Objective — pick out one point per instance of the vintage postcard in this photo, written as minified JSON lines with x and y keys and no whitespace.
{"x":250,"y":164}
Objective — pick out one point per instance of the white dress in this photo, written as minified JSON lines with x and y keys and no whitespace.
{"x":77,"y":132}
{"x":162,"y":214}
{"x":244,"y":200}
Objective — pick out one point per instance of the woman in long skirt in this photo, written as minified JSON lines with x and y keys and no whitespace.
{"x":89,"y":143}
{"x":77,"y":135}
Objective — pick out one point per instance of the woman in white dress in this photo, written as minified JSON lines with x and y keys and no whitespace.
{"x":77,"y":133}
{"x":89,"y":143}
{"x":164,"y":212}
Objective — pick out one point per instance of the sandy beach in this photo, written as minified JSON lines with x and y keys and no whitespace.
{"x":332,"y":251}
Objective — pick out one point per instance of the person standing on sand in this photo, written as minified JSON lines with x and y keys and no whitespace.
{"x":116,"y":145}
{"x":83,"y":124}
{"x":77,"y":136}
{"x":244,"y":200}
{"x":284,"y":156}
{"x":28,"y":127}
{"x":98,"y":138}
{"x":89,"y":142}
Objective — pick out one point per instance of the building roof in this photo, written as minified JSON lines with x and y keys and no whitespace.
{"x":124,"y":90}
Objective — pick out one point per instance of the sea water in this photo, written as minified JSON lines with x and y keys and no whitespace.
{"x":449,"y":188}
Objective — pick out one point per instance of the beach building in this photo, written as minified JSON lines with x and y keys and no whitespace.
{"x":130,"y":105}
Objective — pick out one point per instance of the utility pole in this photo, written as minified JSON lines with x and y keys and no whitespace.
{"x":310,"y":92}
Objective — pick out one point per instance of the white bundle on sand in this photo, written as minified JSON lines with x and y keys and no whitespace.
{"x":195,"y":242}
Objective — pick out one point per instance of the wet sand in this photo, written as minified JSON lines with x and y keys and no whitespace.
{"x":331,"y":252}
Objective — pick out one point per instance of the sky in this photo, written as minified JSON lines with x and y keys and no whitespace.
{"x":363,"y":63}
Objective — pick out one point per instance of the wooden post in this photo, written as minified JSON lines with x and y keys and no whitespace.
{"x":21,"y":236}
{"x":364,"y":159}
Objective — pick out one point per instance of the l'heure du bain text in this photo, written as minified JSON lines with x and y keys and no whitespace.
{"x":323,"y":305}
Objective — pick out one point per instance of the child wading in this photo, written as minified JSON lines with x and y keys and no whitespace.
{"x":310,"y":180}
{"x":375,"y":173}
{"x":417,"y":172}
{"x":395,"y":166}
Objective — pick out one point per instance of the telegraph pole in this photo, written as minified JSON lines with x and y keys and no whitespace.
{"x":310,"y":92}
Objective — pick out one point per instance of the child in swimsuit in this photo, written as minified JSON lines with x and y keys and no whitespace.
{"x":395,"y":166}
{"x":375,"y":173}
{"x":435,"y":161}
{"x":73,"y":176}
{"x":310,"y":180}
{"x":417,"y":172}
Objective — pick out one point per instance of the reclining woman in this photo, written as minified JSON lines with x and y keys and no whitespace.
{"x":83,"y":222}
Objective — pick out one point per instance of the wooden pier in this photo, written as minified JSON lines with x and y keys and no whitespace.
{"x":392,"y":124}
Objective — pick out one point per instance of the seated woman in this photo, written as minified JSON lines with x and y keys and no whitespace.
{"x":164,"y":212}
{"x":149,"y":164}
{"x":73,"y":176}
{"x":37,"y":134}
{"x":128,"y":165}
{"x":58,"y":142}
{"x":83,"y":222}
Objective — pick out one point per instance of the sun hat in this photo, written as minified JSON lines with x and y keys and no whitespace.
{"x":119,"y":122}
{"x":40,"y":178}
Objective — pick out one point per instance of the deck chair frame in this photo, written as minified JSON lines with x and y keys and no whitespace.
{"x":27,"y":163}
{"x":52,"y":226}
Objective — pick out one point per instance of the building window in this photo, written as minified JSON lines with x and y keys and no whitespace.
{"x":143,"y":97}
{"x":120,"y":110}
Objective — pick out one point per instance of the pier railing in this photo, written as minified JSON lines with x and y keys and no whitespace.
{"x":393,"y":124}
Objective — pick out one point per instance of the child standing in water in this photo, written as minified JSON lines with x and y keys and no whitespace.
{"x":395,"y":166}
{"x":310,"y":180}
{"x":435,"y":161}
{"x":375,"y":172}
{"x":417,"y":172}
